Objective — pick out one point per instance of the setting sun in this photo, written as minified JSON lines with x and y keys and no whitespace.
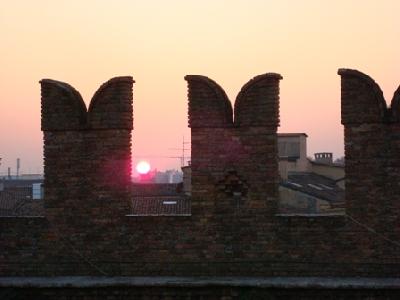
{"x":143,"y":167}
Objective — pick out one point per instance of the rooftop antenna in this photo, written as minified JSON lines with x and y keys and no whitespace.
{"x":183,"y":149}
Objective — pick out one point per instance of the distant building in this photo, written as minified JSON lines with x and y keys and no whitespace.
{"x":19,"y":197}
{"x":12,"y":183}
{"x":293,"y":158}
{"x":31,"y":177}
{"x":292,"y":151}
{"x":168,"y":176}
{"x":308,"y":186}
{"x":161,"y":177}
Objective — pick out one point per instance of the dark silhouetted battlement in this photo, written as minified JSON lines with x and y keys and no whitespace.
{"x":257,"y":103}
{"x":62,"y":107}
{"x":87,"y":155}
{"x":233,"y":228}
{"x":209,"y":105}
{"x":248,"y":148}
{"x":372,"y":147}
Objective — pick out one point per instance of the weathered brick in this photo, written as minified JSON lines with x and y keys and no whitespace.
{"x":233,"y":229}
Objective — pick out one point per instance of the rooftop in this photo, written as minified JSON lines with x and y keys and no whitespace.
{"x":293,"y":134}
{"x":17,"y":201}
{"x":159,"y":199}
{"x":317,"y":186}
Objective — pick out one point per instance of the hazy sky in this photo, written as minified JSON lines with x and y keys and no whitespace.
{"x":85,"y":43}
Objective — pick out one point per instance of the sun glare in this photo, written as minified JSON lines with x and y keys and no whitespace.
{"x":143,"y":167}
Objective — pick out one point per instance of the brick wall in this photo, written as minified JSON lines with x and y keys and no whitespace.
{"x":87,"y":160}
{"x":234,"y":228}
{"x":372,"y":136}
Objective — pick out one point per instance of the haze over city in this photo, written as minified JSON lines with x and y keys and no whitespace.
{"x":85,"y":43}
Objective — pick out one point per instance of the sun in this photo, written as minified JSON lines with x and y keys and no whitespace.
{"x":143,"y":167}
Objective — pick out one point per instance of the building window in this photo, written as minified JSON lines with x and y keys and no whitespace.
{"x":289,"y":149}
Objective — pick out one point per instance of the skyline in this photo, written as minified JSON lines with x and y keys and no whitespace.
{"x":158,"y":43}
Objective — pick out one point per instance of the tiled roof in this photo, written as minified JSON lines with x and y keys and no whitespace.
{"x":11,"y":183}
{"x":160,"y":206}
{"x":159,"y":199}
{"x":18,"y":201}
{"x":317,"y":186}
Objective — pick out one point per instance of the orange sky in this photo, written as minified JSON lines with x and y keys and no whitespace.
{"x":87,"y":42}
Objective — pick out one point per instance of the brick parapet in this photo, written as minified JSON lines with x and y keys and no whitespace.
{"x":111,"y":105}
{"x":247,"y":150}
{"x":257,"y":103}
{"x":62,"y":107}
{"x":209,"y":105}
{"x":395,"y":107}
{"x":371,"y":150}
{"x":362,"y":99}
{"x":87,"y":155}
{"x":233,"y":229}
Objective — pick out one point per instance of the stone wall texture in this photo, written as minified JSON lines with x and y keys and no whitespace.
{"x":234,"y":228}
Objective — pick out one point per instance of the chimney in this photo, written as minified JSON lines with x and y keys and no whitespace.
{"x":187,"y":179}
{"x":324,"y":158}
{"x":18,"y":165}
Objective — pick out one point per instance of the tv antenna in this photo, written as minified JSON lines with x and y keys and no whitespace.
{"x":183,"y":149}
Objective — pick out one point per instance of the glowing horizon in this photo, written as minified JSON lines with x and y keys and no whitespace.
{"x":85,"y":43}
